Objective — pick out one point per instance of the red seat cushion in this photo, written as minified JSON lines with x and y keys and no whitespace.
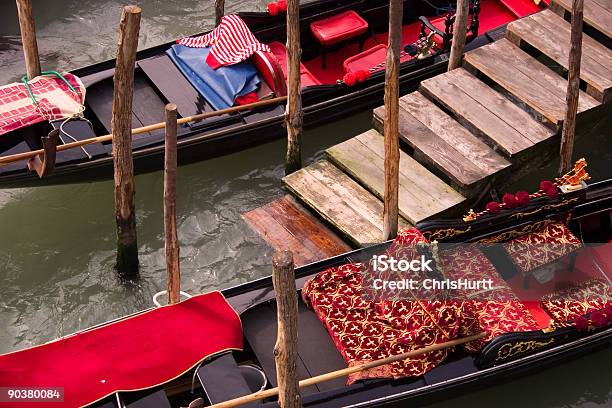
{"x":521,"y":8}
{"x":366,"y":59}
{"x":578,"y":300}
{"x":440,"y":24}
{"x":280,"y":52}
{"x":334,"y":29}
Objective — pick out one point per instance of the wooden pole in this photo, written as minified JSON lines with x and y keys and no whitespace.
{"x":390,"y":213}
{"x":127,"y":248}
{"x":285,"y":350}
{"x":144,"y":129}
{"x":459,"y":34}
{"x":294,"y":116}
{"x":28,"y":38}
{"x":219,"y":11}
{"x":236,"y":402}
{"x":573,"y":89}
{"x":171,"y":242}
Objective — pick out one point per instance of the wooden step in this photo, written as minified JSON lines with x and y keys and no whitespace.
{"x":597,"y":13}
{"x":498,"y":121}
{"x":341,"y":201}
{"x":530,"y":81}
{"x":550,"y":34}
{"x":422,"y":195}
{"x":287,"y":225}
{"x":443,"y":145}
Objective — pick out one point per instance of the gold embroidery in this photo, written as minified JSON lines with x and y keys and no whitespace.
{"x":544,"y":207}
{"x":445,"y":233}
{"x":512,"y":349}
{"x":508,"y":235}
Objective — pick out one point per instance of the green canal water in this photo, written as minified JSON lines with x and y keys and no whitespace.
{"x":57,"y":243}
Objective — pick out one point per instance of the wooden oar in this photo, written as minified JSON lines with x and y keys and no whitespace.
{"x":346,"y":371}
{"x":100,"y":139}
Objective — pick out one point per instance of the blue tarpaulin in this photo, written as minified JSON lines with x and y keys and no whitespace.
{"x":219,"y":87}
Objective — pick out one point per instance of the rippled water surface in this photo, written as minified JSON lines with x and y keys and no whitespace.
{"x":57,"y":243}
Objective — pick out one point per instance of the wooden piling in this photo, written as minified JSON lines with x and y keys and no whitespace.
{"x":127,"y":248}
{"x":285,"y":350}
{"x":573,"y":89}
{"x":391,"y":127}
{"x":294,"y":116}
{"x":171,"y":243}
{"x":219,"y":11}
{"x":28,"y":38}
{"x":459,"y":34}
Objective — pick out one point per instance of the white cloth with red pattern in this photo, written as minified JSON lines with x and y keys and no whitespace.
{"x":55,"y":101}
{"x":231,"y":41}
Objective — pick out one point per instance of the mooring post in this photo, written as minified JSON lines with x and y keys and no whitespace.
{"x":293,"y":115}
{"x":28,"y":38}
{"x":127,"y":248}
{"x":459,"y":34}
{"x":219,"y":11}
{"x":171,"y":243}
{"x":285,"y":350}
{"x":573,"y":89}
{"x":390,"y":213}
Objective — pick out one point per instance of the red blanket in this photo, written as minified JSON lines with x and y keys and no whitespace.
{"x":137,"y":352}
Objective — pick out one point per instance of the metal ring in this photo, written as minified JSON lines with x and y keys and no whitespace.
{"x":163,"y":292}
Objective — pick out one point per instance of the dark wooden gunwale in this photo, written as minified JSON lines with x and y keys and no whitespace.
{"x":322,"y":104}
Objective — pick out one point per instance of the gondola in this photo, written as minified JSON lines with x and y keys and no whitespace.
{"x":340,"y":74}
{"x":219,"y":346}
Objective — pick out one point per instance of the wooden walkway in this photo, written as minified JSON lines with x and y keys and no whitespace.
{"x":465,"y":131}
{"x":597,"y":14}
{"x":287,"y":225}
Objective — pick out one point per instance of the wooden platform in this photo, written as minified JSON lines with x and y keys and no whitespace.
{"x":287,"y":225}
{"x":341,"y":201}
{"x":443,"y":145}
{"x":496,"y":120}
{"x":597,"y":13}
{"x":530,"y":81}
{"x":550,"y":34}
{"x":422,"y":195}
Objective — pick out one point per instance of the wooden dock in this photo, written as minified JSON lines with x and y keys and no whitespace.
{"x":465,"y":131}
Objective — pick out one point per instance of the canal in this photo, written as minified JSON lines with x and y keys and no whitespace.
{"x":57,"y":243}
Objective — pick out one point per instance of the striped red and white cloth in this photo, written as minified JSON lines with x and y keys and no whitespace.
{"x":55,"y":101}
{"x":232,"y":42}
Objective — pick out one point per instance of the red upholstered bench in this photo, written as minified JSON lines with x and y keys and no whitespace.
{"x":337,"y":29}
{"x":367,"y":59}
{"x":280,"y":52}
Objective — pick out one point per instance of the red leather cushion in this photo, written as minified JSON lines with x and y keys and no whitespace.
{"x":334,"y":29}
{"x":271,"y":72}
{"x":521,"y":8}
{"x":366,"y":59}
{"x":280,"y":52}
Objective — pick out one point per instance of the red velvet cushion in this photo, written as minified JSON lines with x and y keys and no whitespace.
{"x":271,"y":72}
{"x":280,"y":52}
{"x":495,"y":312}
{"x":578,"y":300}
{"x":541,"y":247}
{"x":440,"y":24}
{"x":334,"y":29}
{"x":366,"y":59}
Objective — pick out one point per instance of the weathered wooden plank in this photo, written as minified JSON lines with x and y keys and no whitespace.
{"x":339,"y":200}
{"x":597,"y":14}
{"x":448,"y":129}
{"x":435,"y":151}
{"x":306,"y":228}
{"x":421,"y":194}
{"x":491,"y":115}
{"x":277,"y":236}
{"x":526,"y":78}
{"x":550,"y":34}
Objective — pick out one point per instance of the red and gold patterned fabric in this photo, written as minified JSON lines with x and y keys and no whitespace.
{"x":364,"y":330}
{"x":579,"y":300}
{"x":539,"y":248}
{"x":496,"y":311}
